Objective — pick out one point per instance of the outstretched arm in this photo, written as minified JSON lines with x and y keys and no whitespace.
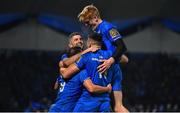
{"x":73,"y":59}
{"x":65,"y":63}
{"x":69,"y":71}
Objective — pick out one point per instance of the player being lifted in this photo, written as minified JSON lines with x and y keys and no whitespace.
{"x":71,"y":88}
{"x":90,"y":16}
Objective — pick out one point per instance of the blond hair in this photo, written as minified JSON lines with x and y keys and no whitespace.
{"x":88,"y":12}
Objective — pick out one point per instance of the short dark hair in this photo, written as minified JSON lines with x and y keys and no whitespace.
{"x":74,"y":33}
{"x":96,"y":37}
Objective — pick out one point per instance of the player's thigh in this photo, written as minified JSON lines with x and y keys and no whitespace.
{"x":118,"y":71}
{"x":68,"y":107}
{"x":55,"y":108}
{"x":62,"y":107}
{"x":105,"y":107}
{"x":87,"y":106}
{"x":117,"y":78}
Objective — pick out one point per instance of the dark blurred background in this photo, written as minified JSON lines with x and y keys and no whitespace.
{"x":34,"y":33}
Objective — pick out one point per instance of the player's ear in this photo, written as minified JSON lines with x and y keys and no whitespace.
{"x":95,"y":17}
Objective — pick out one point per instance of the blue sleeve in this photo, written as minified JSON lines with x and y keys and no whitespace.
{"x":83,"y":75}
{"x":117,"y":78}
{"x":64,"y":56}
{"x":58,"y":79}
{"x":108,"y":54}
{"x":81,"y":62}
{"x":113,"y":34}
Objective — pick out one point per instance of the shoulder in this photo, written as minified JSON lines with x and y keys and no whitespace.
{"x":64,"y":56}
{"x":86,"y":55}
{"x":59,"y":79}
{"x":107,"y":25}
{"x":106,"y":53}
{"x":83,"y":59}
{"x":109,"y":28}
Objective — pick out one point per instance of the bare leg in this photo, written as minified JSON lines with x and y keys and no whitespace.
{"x":118,"y":105}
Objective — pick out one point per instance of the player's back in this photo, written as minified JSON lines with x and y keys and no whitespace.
{"x":92,"y":61}
{"x":94,"y":102}
{"x":71,"y":89}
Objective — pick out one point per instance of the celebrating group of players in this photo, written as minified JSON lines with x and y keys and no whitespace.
{"x":90,"y":79}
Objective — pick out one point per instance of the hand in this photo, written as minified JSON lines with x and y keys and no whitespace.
{"x":109,"y":88}
{"x":106,"y":64}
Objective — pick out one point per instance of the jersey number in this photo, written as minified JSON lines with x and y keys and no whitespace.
{"x":103,"y":75}
{"x":62,"y":85}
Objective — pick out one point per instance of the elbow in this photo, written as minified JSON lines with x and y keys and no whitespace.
{"x":91,"y":89}
{"x":126,"y":60}
{"x":61,"y":64}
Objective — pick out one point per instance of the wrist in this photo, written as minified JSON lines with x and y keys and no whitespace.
{"x":84,"y":52}
{"x":112,"y":60}
{"x":108,"y":89}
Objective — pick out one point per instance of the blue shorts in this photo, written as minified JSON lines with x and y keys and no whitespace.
{"x":86,"y":104}
{"x":62,"y":107}
{"x":117,"y":77}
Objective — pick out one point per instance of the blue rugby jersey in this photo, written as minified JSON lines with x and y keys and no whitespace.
{"x":109,"y":35}
{"x":90,"y":62}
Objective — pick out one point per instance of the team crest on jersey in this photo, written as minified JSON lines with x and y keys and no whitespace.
{"x":114,"y":33}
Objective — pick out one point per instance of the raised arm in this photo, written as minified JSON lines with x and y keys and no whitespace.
{"x":65,"y":63}
{"x":69,"y":71}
